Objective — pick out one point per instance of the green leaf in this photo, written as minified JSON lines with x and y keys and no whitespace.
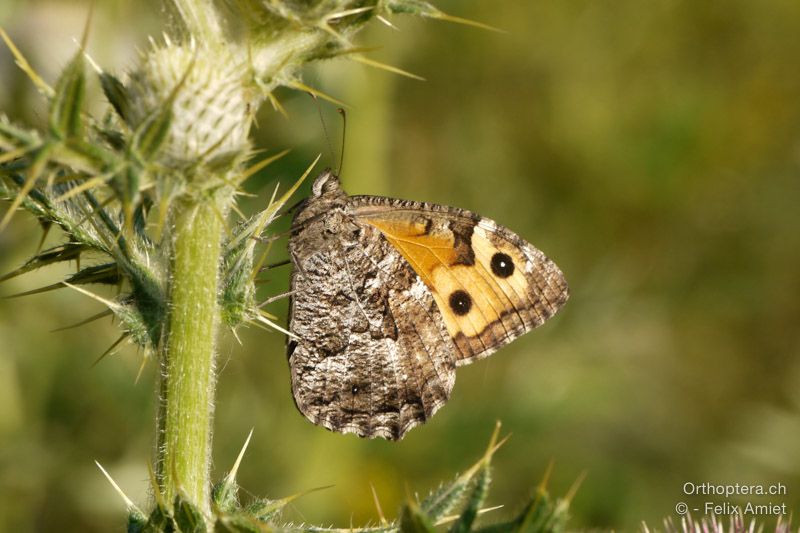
{"x":67,"y":105}
{"x":223,"y":496}
{"x":474,"y":501}
{"x":159,"y":521}
{"x":540,"y":515}
{"x":19,"y":135}
{"x":65,"y":252}
{"x":239,"y":523}
{"x":188,"y":517}
{"x":152,"y":133}
{"x":412,"y":520}
{"x":136,"y":521}
{"x":116,"y":94}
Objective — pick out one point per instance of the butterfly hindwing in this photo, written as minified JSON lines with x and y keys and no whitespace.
{"x":372,"y":355}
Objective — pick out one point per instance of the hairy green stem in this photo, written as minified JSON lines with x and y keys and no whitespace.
{"x":187,"y":360}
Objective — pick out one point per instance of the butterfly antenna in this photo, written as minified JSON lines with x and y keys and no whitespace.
{"x":324,"y":126}
{"x":342,"y":112}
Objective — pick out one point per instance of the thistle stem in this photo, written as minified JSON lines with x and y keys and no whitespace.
{"x":187,"y":362}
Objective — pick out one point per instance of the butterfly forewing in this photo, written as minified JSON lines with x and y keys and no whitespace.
{"x":490,"y":285}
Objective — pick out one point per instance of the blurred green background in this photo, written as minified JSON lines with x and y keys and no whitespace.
{"x":652,"y":149}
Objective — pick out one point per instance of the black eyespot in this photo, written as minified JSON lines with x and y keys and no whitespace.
{"x":502,"y":265}
{"x":354,"y":390}
{"x":460,"y":302}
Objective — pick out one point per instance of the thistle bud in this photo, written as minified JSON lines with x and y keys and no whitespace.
{"x":203,"y":93}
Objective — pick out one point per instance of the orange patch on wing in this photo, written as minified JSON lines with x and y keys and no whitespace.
{"x":434,"y":258}
{"x":425,"y":252}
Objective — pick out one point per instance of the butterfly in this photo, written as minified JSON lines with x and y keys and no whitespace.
{"x":389,"y":296}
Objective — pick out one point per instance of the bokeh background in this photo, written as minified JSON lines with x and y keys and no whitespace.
{"x":652,"y":149}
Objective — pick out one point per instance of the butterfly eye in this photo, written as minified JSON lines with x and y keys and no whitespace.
{"x":502,"y":265}
{"x":354,"y":390}
{"x":460,"y":302}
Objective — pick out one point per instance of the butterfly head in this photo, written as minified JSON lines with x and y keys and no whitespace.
{"x":326,"y":184}
{"x":326,"y":199}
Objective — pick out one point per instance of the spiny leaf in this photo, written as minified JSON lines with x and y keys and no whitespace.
{"x":474,"y":501}
{"x":40,"y":160}
{"x":224,"y":494}
{"x":383,"y":66}
{"x":413,"y":520}
{"x":57,"y":254}
{"x":152,"y":133}
{"x":117,"y":95}
{"x":25,"y":66}
{"x":28,"y":138}
{"x":137,"y":522}
{"x":188,"y":517}
{"x":265,"y":509}
{"x":67,"y":105}
{"x":425,"y":9}
{"x":441,"y":501}
{"x":159,"y":521}
{"x":154,"y":130}
{"x":106,"y":274}
{"x":239,"y":523}
{"x":540,"y":515}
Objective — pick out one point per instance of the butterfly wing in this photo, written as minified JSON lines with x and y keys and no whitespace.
{"x":490,"y":285}
{"x":371,"y":354}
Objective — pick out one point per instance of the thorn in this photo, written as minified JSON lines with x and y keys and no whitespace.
{"x":85,"y":186}
{"x":92,"y":63}
{"x":45,"y":232}
{"x":546,"y":478}
{"x":324,"y":26}
{"x":300,"y":86}
{"x":276,"y":105}
{"x":378,"y":505}
{"x":261,"y":317}
{"x":278,"y":504}
{"x":108,"y":303}
{"x":575,"y":486}
{"x":85,"y":321}
{"x":348,"y":12}
{"x":460,"y":20}
{"x":260,"y":166}
{"x":231,"y":477}
{"x":54,"y":286}
{"x":85,"y":36}
{"x":128,"y":502}
{"x":275,"y":265}
{"x":451,"y":518}
{"x":386,"y":21}
{"x":13,"y":154}
{"x":236,"y":336}
{"x":141,"y":369}
{"x":258,"y":230}
{"x":277,"y":297}
{"x":26,"y":67}
{"x":268,"y":315}
{"x":383,"y":66}
{"x":110,"y":348}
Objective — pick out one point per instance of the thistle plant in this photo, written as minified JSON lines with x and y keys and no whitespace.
{"x":150,"y":188}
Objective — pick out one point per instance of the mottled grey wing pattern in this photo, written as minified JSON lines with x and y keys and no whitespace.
{"x":370,"y":353}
